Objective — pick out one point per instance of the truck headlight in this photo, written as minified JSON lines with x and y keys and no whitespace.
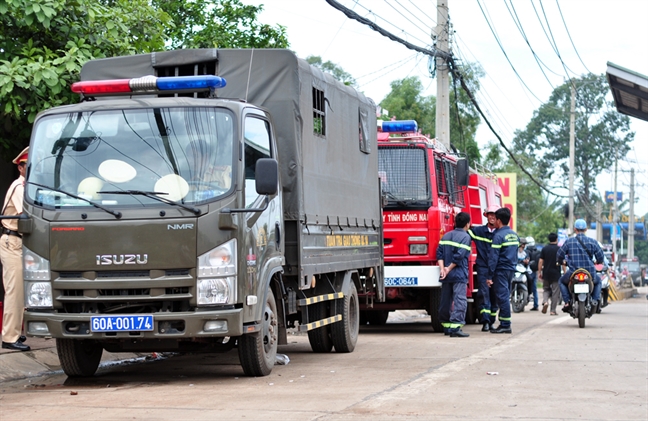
{"x":216,"y":283}
{"x":418,"y":249}
{"x":35,"y":267}
{"x":38,"y":294}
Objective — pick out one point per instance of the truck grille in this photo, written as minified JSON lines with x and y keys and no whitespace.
{"x":124,"y":292}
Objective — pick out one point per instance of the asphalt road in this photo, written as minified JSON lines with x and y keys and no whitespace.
{"x":548,"y":369}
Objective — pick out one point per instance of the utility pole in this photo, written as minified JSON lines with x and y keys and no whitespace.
{"x":443,"y":81}
{"x":615,"y":213}
{"x":572,"y":147}
{"x":599,"y":223}
{"x":631,"y":223}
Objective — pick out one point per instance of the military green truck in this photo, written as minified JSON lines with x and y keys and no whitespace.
{"x":201,"y":201}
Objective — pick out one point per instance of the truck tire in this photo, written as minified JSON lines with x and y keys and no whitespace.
{"x":345,"y":332}
{"x":79,"y":358}
{"x":258,"y":350}
{"x":320,"y":338}
{"x":435,"y":303}
{"x":378,"y":317}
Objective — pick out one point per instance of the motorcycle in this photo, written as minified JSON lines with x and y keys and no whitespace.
{"x":580,"y":290}
{"x":519,"y":290}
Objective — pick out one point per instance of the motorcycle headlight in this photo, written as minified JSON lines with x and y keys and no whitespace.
{"x":38,"y":294}
{"x":216,"y":283}
{"x":35,"y":267}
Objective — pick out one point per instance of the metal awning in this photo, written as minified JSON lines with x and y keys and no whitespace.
{"x":630,"y":91}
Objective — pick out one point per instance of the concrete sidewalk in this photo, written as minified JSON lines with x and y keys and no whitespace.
{"x":43,"y":359}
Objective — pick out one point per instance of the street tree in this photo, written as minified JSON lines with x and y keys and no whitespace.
{"x":407,"y":102}
{"x":332,"y":68}
{"x":44,"y":43}
{"x":219,"y":24}
{"x":601,"y":133}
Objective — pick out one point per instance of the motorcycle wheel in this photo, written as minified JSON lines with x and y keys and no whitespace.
{"x":519,"y":300}
{"x":581,"y":315}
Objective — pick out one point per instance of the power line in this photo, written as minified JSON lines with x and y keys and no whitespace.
{"x":518,"y":23}
{"x":422,"y":12}
{"x":504,"y":52}
{"x":429,"y":30}
{"x":550,"y":37}
{"x":570,"y":38}
{"x":455,"y":73}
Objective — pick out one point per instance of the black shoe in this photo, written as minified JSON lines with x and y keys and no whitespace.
{"x":486,"y":327}
{"x":446,"y":332}
{"x":22,"y":338}
{"x":18,"y":346}
{"x":567,"y":308}
{"x":501,"y":329}
{"x":534,"y":309}
{"x":459,"y":334}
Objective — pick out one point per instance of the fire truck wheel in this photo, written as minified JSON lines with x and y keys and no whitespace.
{"x":79,"y":358}
{"x":320,"y":338}
{"x":435,"y":303}
{"x":345,"y":332}
{"x":258,"y":350}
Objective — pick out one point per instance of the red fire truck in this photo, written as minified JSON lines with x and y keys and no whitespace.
{"x":424,"y":185}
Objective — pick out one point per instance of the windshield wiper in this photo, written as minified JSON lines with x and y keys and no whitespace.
{"x":400,"y":202}
{"x":152,"y":195}
{"x":117,"y":214}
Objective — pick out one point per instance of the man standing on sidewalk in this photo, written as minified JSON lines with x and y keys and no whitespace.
{"x":12,"y":265}
{"x":549,"y":273}
{"x":501,"y":266}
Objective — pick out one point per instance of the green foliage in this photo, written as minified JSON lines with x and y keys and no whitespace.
{"x":332,"y":68}
{"x":464,"y":129}
{"x":219,"y":24}
{"x":406,"y":102}
{"x":641,"y":251}
{"x":600,"y":133}
{"x":44,"y":43}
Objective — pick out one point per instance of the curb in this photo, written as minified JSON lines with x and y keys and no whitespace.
{"x":15,"y":365}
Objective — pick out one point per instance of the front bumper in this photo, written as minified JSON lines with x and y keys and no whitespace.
{"x":166,"y":325}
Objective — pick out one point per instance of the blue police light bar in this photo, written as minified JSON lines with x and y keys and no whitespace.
{"x":400,"y":126}
{"x":190,"y":82}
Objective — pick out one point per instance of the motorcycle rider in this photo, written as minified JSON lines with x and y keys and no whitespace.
{"x":482,"y":235}
{"x":580,"y":252}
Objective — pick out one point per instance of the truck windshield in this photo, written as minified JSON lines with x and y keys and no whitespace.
{"x":182,"y":155}
{"x":404,"y":176}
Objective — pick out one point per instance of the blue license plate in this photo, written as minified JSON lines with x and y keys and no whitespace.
{"x":401,"y":281}
{"x":123,"y":323}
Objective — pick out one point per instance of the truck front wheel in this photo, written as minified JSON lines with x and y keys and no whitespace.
{"x":258,"y":350}
{"x":345,"y":332}
{"x":79,"y":358}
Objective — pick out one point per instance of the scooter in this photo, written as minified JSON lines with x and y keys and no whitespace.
{"x":580,"y":290}
{"x":519,"y":290}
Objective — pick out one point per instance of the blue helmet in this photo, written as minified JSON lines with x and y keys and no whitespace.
{"x":580,"y":224}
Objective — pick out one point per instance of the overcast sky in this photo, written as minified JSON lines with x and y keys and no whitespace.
{"x":601,"y":31}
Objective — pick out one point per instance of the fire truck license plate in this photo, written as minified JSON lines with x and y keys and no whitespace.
{"x":581,"y":289}
{"x":402,"y":281}
{"x":121,"y":323}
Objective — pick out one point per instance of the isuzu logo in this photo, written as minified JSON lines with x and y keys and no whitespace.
{"x":122,"y":259}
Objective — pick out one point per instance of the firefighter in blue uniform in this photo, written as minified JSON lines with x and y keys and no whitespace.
{"x":501,"y":266}
{"x":452,"y":255}
{"x":482,"y":235}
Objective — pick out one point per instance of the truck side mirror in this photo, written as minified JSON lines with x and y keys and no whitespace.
{"x":266,"y":176}
{"x":462,"y":172}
